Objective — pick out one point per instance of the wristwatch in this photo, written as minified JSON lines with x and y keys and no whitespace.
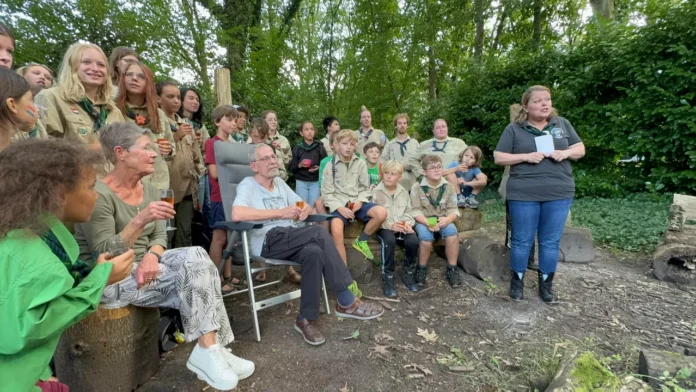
{"x":152,"y":252}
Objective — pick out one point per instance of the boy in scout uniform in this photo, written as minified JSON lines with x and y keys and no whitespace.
{"x":345,"y":190}
{"x":434,"y":202}
{"x":400,"y":149}
{"x":81,"y":104}
{"x":396,"y":229}
{"x":447,"y":148}
{"x":367,"y":134}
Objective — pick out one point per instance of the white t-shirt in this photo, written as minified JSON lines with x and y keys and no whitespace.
{"x":251,"y":194}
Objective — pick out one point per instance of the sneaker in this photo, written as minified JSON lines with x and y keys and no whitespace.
{"x":421,"y":276}
{"x":407,"y":278}
{"x":453,"y":277}
{"x":355,"y":290}
{"x":546,"y":288}
{"x":364,"y":248}
{"x":471,"y":202}
{"x":461,"y":200}
{"x":388,"y":286}
{"x":516,"y":287}
{"x":242,"y":367}
{"x":211,"y":366}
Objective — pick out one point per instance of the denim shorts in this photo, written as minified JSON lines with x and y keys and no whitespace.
{"x":424,"y":234}
{"x":360,"y":214}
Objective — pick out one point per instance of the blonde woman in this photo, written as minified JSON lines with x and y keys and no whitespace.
{"x":278,"y":141}
{"x":39,"y":76}
{"x":81,"y":104}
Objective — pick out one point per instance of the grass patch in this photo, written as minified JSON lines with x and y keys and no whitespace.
{"x":632,"y":224}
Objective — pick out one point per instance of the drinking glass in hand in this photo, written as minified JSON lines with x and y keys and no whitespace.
{"x":350,"y":207}
{"x":400,"y":234}
{"x":116,"y":247}
{"x":168,"y":196}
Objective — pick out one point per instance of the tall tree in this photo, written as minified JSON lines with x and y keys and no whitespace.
{"x":479,"y":20}
{"x":603,"y":9}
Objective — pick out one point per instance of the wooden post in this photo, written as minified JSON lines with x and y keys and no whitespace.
{"x":222,"y":86}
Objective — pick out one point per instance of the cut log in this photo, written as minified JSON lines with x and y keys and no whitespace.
{"x":484,"y":258}
{"x":468,"y":220}
{"x":362,"y":270}
{"x":111,"y":349}
{"x":673,"y":263}
{"x":576,"y":245}
{"x":223,"y":86}
{"x":681,"y":226}
{"x":654,"y":363}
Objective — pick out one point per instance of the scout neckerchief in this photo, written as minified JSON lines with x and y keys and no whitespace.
{"x":240,"y":137}
{"x":78,"y":270}
{"x":435,"y":203}
{"x":365,"y":136}
{"x":403,"y":145}
{"x":308,"y":147}
{"x":435,"y":149}
{"x":97,"y":113}
{"x":140,"y":120}
{"x":34,"y":131}
{"x":534,"y":131}
{"x":196,"y":126}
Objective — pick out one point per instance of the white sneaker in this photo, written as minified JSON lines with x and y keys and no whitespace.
{"x":244,"y":368}
{"x":210,"y":365}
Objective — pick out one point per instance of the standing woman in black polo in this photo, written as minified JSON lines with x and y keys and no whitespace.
{"x":541,"y":188}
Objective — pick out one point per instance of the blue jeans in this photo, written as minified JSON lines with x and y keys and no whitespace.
{"x":308,"y":191}
{"x":545,"y":219}
{"x":424,"y":234}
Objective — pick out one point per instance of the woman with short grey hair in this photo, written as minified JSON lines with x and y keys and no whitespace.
{"x":130,"y":210}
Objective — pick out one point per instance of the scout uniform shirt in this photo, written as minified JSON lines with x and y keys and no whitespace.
{"x":448,"y":150}
{"x":398,"y":205}
{"x":343,"y":182}
{"x":39,"y":132}
{"x":327,"y":145}
{"x":373,"y":135}
{"x":200,"y":130}
{"x":69,"y":119}
{"x":186,"y":166}
{"x":38,"y":301}
{"x":430,"y":201}
{"x":138,"y":115}
{"x":400,"y":151}
{"x":284,"y":147}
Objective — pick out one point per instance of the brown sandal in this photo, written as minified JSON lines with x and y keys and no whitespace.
{"x":293,"y":277}
{"x":360,"y":310}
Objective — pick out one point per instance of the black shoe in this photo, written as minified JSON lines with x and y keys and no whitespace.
{"x":516,"y":287}
{"x":421,"y":276}
{"x":407,"y":278}
{"x":546,"y":288}
{"x":453,"y":277}
{"x":388,"y":286}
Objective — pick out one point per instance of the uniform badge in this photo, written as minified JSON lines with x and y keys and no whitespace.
{"x":82,"y":131}
{"x":557,"y":133}
{"x":75,"y":110}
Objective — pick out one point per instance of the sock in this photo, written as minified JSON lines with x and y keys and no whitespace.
{"x":363,"y":237}
{"x":520,"y":275}
{"x":544,"y":276}
{"x":345,"y":298}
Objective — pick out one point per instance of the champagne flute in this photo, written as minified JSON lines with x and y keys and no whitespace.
{"x":350,"y":206}
{"x":115,"y":247}
{"x":400,"y":234}
{"x":168,"y":196}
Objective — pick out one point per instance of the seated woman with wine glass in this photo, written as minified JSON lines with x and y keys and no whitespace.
{"x":184,"y":278}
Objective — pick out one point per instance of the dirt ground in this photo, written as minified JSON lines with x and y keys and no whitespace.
{"x":480,"y":340}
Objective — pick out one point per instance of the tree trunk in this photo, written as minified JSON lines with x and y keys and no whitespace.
{"x":501,"y":26}
{"x":536,"y":35}
{"x":111,"y":349}
{"x":479,"y":21}
{"x":432,"y":74}
{"x":602,"y":9}
{"x":222,"y":86}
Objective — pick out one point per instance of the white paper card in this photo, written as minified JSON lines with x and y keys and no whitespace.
{"x":544,"y":144}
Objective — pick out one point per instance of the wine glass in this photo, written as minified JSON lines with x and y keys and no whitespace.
{"x":115,"y":247}
{"x":350,"y":206}
{"x":168,"y":196}
{"x":400,"y":234}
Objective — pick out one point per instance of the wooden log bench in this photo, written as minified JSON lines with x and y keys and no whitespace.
{"x":110,"y":350}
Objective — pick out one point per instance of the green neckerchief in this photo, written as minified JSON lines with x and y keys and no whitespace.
{"x":196,"y":126}
{"x":240,"y":137}
{"x":534,"y":131}
{"x":307,"y":147}
{"x":435,"y":203}
{"x":98,"y":114}
{"x":435,"y":149}
{"x":78,"y":270}
{"x":35,"y":131}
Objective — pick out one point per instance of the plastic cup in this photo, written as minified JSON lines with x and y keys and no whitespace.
{"x":432,"y":221}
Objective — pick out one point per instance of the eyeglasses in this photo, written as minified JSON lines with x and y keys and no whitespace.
{"x":135,"y":75}
{"x":265,"y":160}
{"x":434,"y":168}
{"x":148,"y":147}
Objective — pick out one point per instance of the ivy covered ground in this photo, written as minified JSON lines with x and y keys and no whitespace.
{"x":474,"y":339}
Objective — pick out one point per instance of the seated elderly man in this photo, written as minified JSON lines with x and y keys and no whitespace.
{"x":265,"y":197}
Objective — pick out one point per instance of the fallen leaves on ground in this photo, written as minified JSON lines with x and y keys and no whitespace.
{"x":413,"y":367}
{"x":383,"y":337}
{"x":354,"y":335}
{"x":378,"y":349}
{"x":428,"y":336}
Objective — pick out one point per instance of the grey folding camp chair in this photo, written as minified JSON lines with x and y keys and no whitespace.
{"x":232,"y":163}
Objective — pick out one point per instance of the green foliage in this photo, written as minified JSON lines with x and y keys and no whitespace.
{"x":589,"y":374}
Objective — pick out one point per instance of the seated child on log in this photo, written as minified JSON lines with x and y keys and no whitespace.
{"x":397,"y":229}
{"x":373,"y":155}
{"x":468,"y":180}
{"x":434,"y":202}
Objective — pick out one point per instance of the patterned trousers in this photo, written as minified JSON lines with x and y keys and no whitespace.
{"x":188,"y":281}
